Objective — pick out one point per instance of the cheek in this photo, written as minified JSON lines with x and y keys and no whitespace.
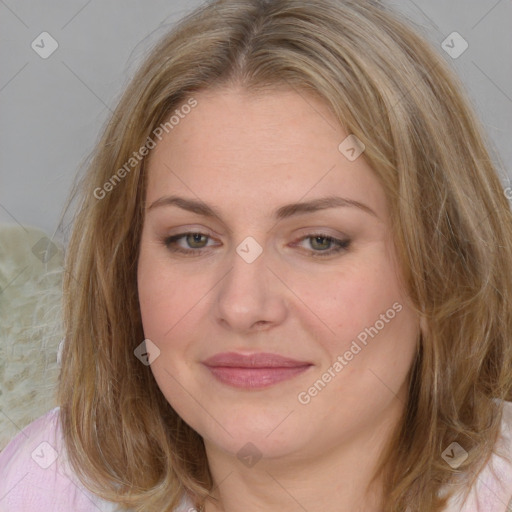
{"x":343,"y":303}
{"x":174,"y":303}
{"x":163,"y":301}
{"x":361,"y":314}
{"x":166,"y":309}
{"x":166,"y":312}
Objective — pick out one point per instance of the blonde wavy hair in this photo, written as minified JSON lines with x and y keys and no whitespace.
{"x":452,"y":232}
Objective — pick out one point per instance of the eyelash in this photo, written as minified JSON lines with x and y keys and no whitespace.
{"x":170,"y":242}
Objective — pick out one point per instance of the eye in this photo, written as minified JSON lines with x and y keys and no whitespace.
{"x":194,"y":239}
{"x":322,"y":245}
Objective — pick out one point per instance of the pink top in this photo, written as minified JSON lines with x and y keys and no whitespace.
{"x":36,"y":477}
{"x":492,"y":491}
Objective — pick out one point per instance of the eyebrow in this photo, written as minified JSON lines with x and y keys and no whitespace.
{"x":286,"y":211}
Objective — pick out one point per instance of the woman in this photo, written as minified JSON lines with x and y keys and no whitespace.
{"x":288,"y":282}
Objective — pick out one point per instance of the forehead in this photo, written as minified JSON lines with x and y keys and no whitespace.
{"x":259,"y":149}
{"x":272,"y":124}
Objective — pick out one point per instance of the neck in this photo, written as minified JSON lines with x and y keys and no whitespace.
{"x":335,"y":480}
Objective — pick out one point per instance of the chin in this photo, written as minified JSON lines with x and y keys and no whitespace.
{"x":249,"y":444}
{"x":252,"y":434}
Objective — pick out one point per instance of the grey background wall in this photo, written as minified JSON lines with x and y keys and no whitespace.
{"x":52,"y":109}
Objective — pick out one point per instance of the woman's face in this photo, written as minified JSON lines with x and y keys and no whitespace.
{"x":283,"y":324}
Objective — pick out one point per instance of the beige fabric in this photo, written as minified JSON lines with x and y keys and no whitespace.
{"x":30,"y":293}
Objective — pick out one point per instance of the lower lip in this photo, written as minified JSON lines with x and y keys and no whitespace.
{"x":254,"y":378}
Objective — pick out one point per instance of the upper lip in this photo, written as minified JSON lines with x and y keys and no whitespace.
{"x":257,"y":360}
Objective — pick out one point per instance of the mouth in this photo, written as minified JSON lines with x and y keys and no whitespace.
{"x":254,"y":371}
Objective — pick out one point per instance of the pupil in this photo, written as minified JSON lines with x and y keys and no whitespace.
{"x":196,"y":238}
{"x":319,"y":238}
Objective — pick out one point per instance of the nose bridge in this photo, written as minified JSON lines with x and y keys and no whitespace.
{"x":246,"y":295}
{"x":246,"y":279}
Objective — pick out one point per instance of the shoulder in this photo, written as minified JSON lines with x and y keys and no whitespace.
{"x":35,"y":476}
{"x":492,"y":491}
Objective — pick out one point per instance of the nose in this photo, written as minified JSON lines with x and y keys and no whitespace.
{"x":250,"y":296}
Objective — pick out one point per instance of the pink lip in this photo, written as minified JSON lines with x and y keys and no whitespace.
{"x":253,"y":371}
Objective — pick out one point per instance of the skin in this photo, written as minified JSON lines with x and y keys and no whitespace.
{"x":248,"y":155}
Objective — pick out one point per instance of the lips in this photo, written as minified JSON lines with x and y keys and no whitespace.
{"x":254,"y":371}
